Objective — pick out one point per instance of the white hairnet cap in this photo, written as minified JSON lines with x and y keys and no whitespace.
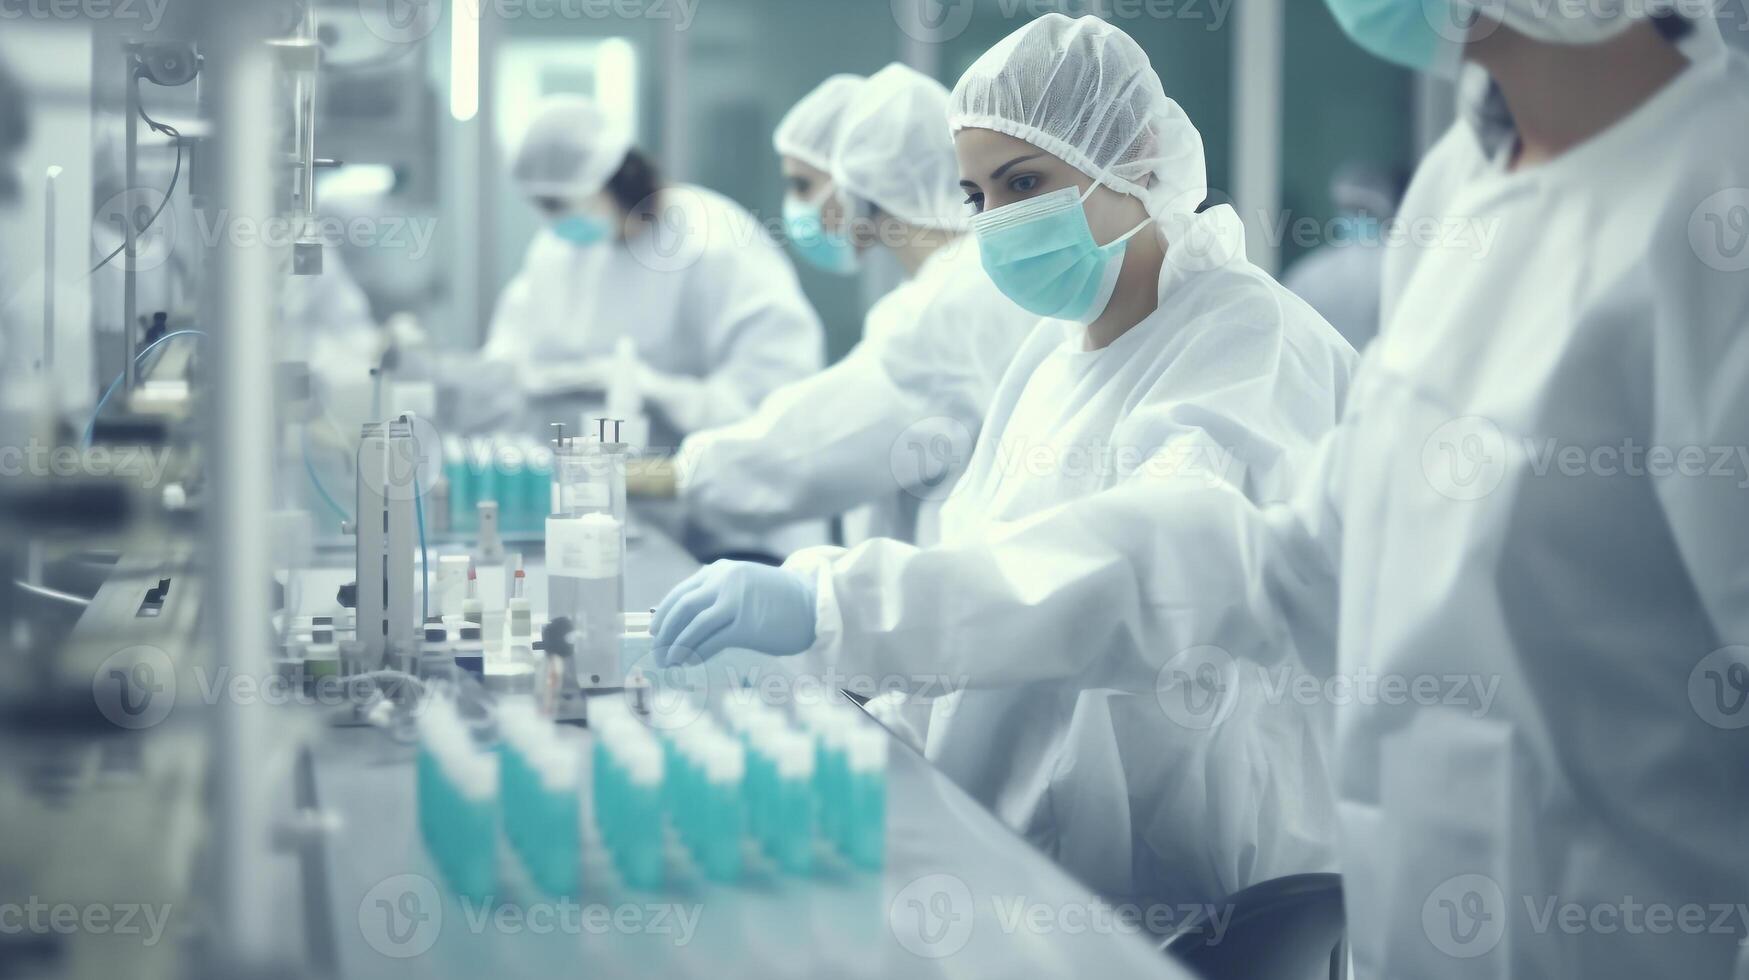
{"x":571,"y":148}
{"x":809,"y":129}
{"x":894,"y":150}
{"x":1083,"y":90}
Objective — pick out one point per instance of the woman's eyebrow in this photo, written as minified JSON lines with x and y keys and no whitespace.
{"x":999,"y":171}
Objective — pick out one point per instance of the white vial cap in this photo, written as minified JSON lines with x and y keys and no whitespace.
{"x":867,"y":750}
{"x":725,"y":763}
{"x":557,"y":766}
{"x":794,"y":756}
{"x":643,"y":761}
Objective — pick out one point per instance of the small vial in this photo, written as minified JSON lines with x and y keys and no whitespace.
{"x":472,"y":608}
{"x":723,"y":810}
{"x":832,"y":777}
{"x":457,"y":786}
{"x":470,"y":651}
{"x":638,"y":693}
{"x":491,"y":545}
{"x":556,"y":855}
{"x":640,"y":855}
{"x":866,"y":806}
{"x":521,"y":617}
{"x":435,"y":656}
{"x":791,"y":838}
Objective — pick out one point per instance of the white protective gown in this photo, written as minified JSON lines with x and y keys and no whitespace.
{"x":891,"y":425}
{"x":1231,"y":381}
{"x":1612,"y":768}
{"x":1605,"y":609}
{"x":1342,"y":281}
{"x":703,"y":291}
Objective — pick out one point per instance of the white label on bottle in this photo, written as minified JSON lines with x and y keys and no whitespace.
{"x":583,"y":547}
{"x":579,"y":495}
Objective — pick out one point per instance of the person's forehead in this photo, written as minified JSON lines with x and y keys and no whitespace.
{"x":795,"y":167}
{"x":990,"y":141}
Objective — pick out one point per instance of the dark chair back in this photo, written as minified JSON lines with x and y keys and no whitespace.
{"x":1288,"y":928}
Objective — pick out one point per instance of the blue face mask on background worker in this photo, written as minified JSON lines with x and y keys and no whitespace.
{"x":818,"y":246}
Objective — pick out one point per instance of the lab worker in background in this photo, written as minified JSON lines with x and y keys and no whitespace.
{"x":1165,"y":362}
{"x":1594,"y":610}
{"x":890,"y":427}
{"x":1342,"y":278}
{"x":715,"y":314}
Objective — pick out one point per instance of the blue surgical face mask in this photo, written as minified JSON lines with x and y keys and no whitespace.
{"x":1425,"y":35}
{"x":581,"y":229}
{"x":818,"y":247}
{"x":1041,"y":254}
{"x":1351,"y":228}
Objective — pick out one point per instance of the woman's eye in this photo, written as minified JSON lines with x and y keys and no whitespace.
{"x":1023,"y":183}
{"x":975,"y":202}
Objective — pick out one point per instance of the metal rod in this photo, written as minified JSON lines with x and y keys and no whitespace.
{"x":48,"y":362}
{"x":130,"y":241}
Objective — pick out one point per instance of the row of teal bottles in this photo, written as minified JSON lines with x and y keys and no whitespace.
{"x":627,"y":785}
{"x":850,"y":782}
{"x":457,"y":792}
{"x":514,"y":471}
{"x":706,"y":771}
{"x":781,"y":804}
{"x":541,"y":797}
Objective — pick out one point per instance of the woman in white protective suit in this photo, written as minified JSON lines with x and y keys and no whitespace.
{"x":712,"y":307}
{"x":1164,"y":360}
{"x":891,"y":425}
{"x":1525,"y":536}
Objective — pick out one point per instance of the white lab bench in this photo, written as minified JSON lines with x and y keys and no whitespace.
{"x":960,"y":894}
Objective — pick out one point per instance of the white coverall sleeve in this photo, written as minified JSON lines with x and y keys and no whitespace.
{"x":1108,"y":587}
{"x":1701,"y":381}
{"x":822,"y":446}
{"x":759,"y":334}
{"x":508,"y":338}
{"x":813,"y":449}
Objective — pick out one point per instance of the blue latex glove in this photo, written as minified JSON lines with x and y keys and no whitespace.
{"x":734,"y":604}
